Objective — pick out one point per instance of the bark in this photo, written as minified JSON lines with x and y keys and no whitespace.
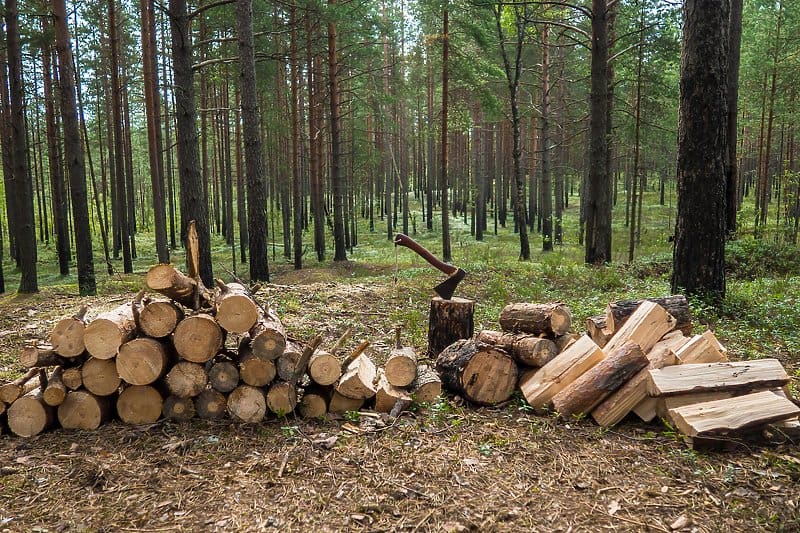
{"x":731,"y":169}
{"x":446,"y":253}
{"x":337,"y":181}
{"x":546,"y":191}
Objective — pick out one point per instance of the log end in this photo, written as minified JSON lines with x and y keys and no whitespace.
{"x":237,"y":314}
{"x":139,"y":404}
{"x":103,"y":338}
{"x":67,"y":337}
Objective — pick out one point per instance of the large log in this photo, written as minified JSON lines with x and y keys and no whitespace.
{"x":29,"y":415}
{"x":550,"y":319}
{"x":324,"y":368}
{"x":358,"y":380}
{"x":256,"y":370}
{"x":342,"y":404}
{"x":268,"y":336}
{"x":597,"y":384}
{"x":427,"y":386}
{"x":449,"y":321}
{"x":540,"y":386}
{"x":479,"y":372}
{"x":282,"y":398}
{"x":83,"y":410}
{"x":100,"y":376}
{"x":676,"y":305}
{"x":9,"y":392}
{"x":247,"y":404}
{"x":159,"y":318}
{"x":110,"y":330}
{"x":288,"y":364}
{"x":139,"y":404}
{"x":645,"y":327}
{"x":186,"y":379}
{"x":177,"y":286}
{"x":236,"y":310}
{"x":715,"y":377}
{"x":176,"y":408}
{"x":141,"y":361}
{"x":314,"y":403}
{"x":211,"y":404}
{"x":198,"y":338}
{"x":526,"y":349}
{"x":67,"y":335}
{"x":223,"y":376}
{"x":388,"y":396}
{"x":55,"y":392}
{"x":42,"y":355}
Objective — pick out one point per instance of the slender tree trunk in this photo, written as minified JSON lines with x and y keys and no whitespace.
{"x":241,"y":203}
{"x":546,"y":192}
{"x":637,"y":130}
{"x":731,"y":169}
{"x":297,"y":185}
{"x":5,"y":130}
{"x":430,"y":173}
{"x":446,"y":254}
{"x":314,"y":74}
{"x":337,"y":182}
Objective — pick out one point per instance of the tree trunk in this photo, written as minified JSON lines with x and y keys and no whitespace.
{"x":337,"y":181}
{"x":446,"y":254}
{"x":546,"y":191}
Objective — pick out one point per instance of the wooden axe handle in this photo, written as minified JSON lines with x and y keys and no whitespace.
{"x":404,"y":240}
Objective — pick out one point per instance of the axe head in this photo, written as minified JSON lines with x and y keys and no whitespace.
{"x":446,"y":288}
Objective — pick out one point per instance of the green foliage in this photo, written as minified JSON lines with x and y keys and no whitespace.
{"x":751,"y":259}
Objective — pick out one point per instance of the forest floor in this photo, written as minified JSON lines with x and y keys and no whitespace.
{"x":443,"y":467}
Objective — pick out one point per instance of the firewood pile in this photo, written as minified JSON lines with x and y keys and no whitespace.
{"x":169,"y":355}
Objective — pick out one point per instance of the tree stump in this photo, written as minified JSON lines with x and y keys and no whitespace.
{"x":449,"y":321}
{"x":480,"y":372}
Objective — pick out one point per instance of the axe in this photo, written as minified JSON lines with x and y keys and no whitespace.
{"x":455,"y":274}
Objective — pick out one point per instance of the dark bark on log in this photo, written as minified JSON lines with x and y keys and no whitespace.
{"x":449,"y":321}
{"x":481,"y":373}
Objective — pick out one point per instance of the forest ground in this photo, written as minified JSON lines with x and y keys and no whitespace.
{"x":443,"y":467}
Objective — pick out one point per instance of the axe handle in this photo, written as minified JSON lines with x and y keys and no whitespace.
{"x":404,"y":240}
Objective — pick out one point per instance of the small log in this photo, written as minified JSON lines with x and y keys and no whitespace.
{"x":198,"y":338}
{"x":139,"y":404}
{"x":526,"y":349}
{"x":481,"y":373}
{"x":715,"y":377}
{"x":449,"y":321}
{"x":401,"y":367}
{"x":288,"y":363}
{"x":551,"y":319}
{"x":55,"y":392}
{"x":565,"y":341}
{"x":387,"y":396}
{"x":358,"y":379}
{"x":677,"y":306}
{"x":324,"y":368}
{"x":427,"y":386}
{"x":540,"y":386}
{"x":176,"y":408}
{"x":282,"y":398}
{"x":141,"y":361}
{"x":159,"y":318}
{"x":314,"y":403}
{"x":342,"y":404}
{"x":100,"y":376}
{"x":223,"y":376}
{"x":41,"y":355}
{"x":268,"y":336}
{"x":256,"y":370}
{"x":247,"y":404}
{"x":596,"y":329}
{"x":645,"y":327}
{"x":589,"y":390}
{"x":29,"y":415}
{"x":186,"y":379}
{"x":83,"y":410}
{"x":106,"y":333}
{"x":700,"y":349}
{"x":67,"y":335}
{"x":211,"y":404}
{"x":9,"y":392}
{"x":173,"y":284}
{"x":72,"y":378}
{"x":236,"y":311}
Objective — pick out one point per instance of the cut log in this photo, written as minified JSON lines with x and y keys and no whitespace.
{"x":9,"y":392}
{"x":363,"y":345}
{"x":159,"y":318}
{"x":428,"y":385}
{"x":342,"y":404}
{"x":700,"y":349}
{"x":387,"y":396}
{"x":324,"y":368}
{"x":358,"y":380}
{"x":141,"y":361}
{"x":282,"y":398}
{"x":55,"y":392}
{"x":176,"y":408}
{"x":247,"y":404}
{"x":714,"y":377}
{"x":539,"y":387}
{"x":449,"y":321}
{"x":139,"y":404}
{"x":597,"y":384}
{"x":106,"y":333}
{"x":237,"y":312}
{"x":288,"y":363}
{"x":198,"y":338}
{"x":42,"y":355}
{"x":711,"y":338}
{"x":663,"y":405}
{"x":401,"y":367}
{"x":100,"y":376}
{"x":314,"y":403}
{"x":256,"y":370}
{"x":83,"y":410}
{"x":3,"y":408}
{"x":186,"y":379}
{"x":29,"y":415}
{"x":224,"y":376}
{"x":645,"y":327}
{"x":479,"y":372}
{"x":728,"y":417}
{"x":268,"y":336}
{"x":526,"y":349}
{"x":67,"y":335}
{"x":551,"y":319}
{"x":677,"y":306}
{"x":565,"y":341}
{"x":211,"y":404}
{"x":72,"y":378}
{"x":177,"y":286}
{"x":596,"y":329}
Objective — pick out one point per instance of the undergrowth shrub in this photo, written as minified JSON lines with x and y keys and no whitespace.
{"x":751,"y":259}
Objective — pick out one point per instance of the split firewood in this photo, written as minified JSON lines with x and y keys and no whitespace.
{"x":645,"y":327}
{"x":358,"y":380}
{"x":664,"y":405}
{"x":288,"y":363}
{"x":282,"y":398}
{"x":29,"y":415}
{"x":340,"y":404}
{"x":9,"y":392}
{"x":427,"y":386}
{"x":677,"y":306}
{"x":211,"y":404}
{"x":110,"y":330}
{"x":83,"y":410}
{"x":72,"y":378}
{"x":701,"y":349}
{"x":173,"y":284}
{"x":142,"y":361}
{"x":596,"y":329}
{"x":139,"y":404}
{"x":100,"y":376}
{"x":236,"y":310}
{"x":159,"y":318}
{"x":198,"y":338}
{"x":42,"y":355}
{"x":648,"y":408}
{"x":714,"y":377}
{"x":711,"y":338}
{"x":55,"y":392}
{"x":387,"y":395}
{"x":223,"y":376}
{"x":314,"y":403}
{"x":176,"y":408}
{"x":186,"y":379}
{"x":449,"y":321}
{"x":540,"y":386}
{"x":67,"y":335}
{"x":268,"y":336}
{"x":479,"y":372}
{"x":565,"y":341}
{"x":550,"y":319}
{"x":526,"y":349}
{"x":247,"y":404}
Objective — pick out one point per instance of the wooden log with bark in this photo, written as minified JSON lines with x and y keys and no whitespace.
{"x":139,"y":404}
{"x":551,"y":319}
{"x":159,"y":318}
{"x":358,"y":379}
{"x":247,"y":404}
{"x":565,"y":341}
{"x":173,"y":284}
{"x":55,"y":392}
{"x":142,"y":361}
{"x":198,"y":338}
{"x":449,"y":321}
{"x":43,"y":355}
{"x":176,"y":408}
{"x":66,"y":337}
{"x":340,"y":404}
{"x":236,"y":309}
{"x":289,"y":361}
{"x":388,"y":396}
{"x":714,"y":377}
{"x":479,"y":372}
{"x":223,"y":376}
{"x":427,"y":386}
{"x":282,"y":398}
{"x":83,"y":410}
{"x":526,"y":349}
{"x":9,"y":392}
{"x":314,"y":403}
{"x":645,"y":327}
{"x":211,"y":404}
{"x":324,"y":368}
{"x":100,"y":376}
{"x":105,"y":334}
{"x":29,"y":415}
{"x":72,"y":378}
{"x":268,"y":336}
{"x":186,"y":379}
{"x":256,"y":370}
{"x":596,"y":329}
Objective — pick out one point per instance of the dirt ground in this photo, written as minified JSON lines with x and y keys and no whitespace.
{"x":444,"y":467}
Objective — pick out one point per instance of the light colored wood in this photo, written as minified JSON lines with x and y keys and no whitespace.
{"x":358,"y":380}
{"x":72,"y":378}
{"x":100,"y":376}
{"x":663,"y":405}
{"x":710,"y":337}
{"x":596,"y":329}
{"x":211,"y":404}
{"x":540,"y":386}
{"x":732,"y":416}
{"x":449,"y":321}
{"x":247,"y":404}
{"x":42,"y":355}
{"x":83,"y":410}
{"x":282,"y":398}
{"x":427,"y":387}
{"x":268,"y":336}
{"x":314,"y":403}
{"x":139,"y":404}
{"x":176,"y":408}
{"x":352,"y":356}
{"x":603,"y":379}
{"x":526,"y":349}
{"x":9,"y":392}
{"x":186,"y":379}
{"x":565,"y":341}
{"x":255,"y":369}
{"x":173,"y":284}
{"x":288,"y":363}
{"x":342,"y":404}
{"x":55,"y":392}
{"x":387,"y":396}
{"x":67,"y":335}
{"x":479,"y":372}
{"x":141,"y":361}
{"x":549,"y":318}
{"x":198,"y":338}
{"x":401,"y":367}
{"x":237,"y":311}
{"x":713,"y":377}
{"x":159,"y":318}
{"x":106,"y":333}
{"x":324,"y":368}
{"x":645,"y":327}
{"x":29,"y":415}
{"x":224,"y":376}
{"x":700,"y":349}
{"x":676,"y":305}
